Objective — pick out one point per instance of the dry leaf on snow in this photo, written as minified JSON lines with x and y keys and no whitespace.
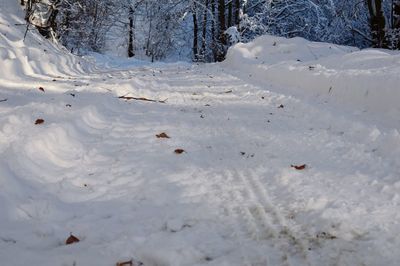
{"x":39,"y":121}
{"x":179,"y":151}
{"x":125,"y":263}
{"x":71,"y":240}
{"x":299,"y":167}
{"x":162,"y":136}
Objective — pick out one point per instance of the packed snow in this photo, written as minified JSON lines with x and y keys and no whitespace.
{"x":290,"y":156}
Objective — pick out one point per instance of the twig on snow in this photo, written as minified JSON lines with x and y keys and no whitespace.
{"x":141,"y":99}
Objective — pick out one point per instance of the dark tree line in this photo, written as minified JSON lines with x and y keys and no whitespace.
{"x":385,"y":34}
{"x":211,"y":19}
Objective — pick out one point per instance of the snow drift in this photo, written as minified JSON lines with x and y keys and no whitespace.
{"x":33,"y":57}
{"x":364,"y":79}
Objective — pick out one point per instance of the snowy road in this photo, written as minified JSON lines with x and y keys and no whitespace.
{"x":95,"y":168}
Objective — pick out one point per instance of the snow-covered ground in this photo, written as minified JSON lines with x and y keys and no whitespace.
{"x":366,"y":80}
{"x":96,"y":169}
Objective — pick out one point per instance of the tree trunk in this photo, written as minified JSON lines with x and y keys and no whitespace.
{"x":222,"y":29}
{"x":377,"y":23}
{"x":213,"y":35}
{"x":396,"y":14}
{"x":195,"y":33}
{"x":221,"y":17}
{"x":237,"y":12}
{"x":131,"y":51}
{"x":204,"y":41}
{"x":149,"y":50}
{"x":396,"y":21}
{"x":230,"y":14}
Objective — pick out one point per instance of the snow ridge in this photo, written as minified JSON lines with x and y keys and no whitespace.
{"x":366,"y":80}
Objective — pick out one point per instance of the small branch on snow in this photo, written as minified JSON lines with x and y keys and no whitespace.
{"x":141,"y":99}
{"x":225,"y":92}
{"x":26,"y":31}
{"x":4,"y":100}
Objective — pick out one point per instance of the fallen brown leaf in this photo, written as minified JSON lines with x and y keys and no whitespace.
{"x":41,"y":89}
{"x":281,"y":106}
{"x":179,"y":151}
{"x":39,"y":121}
{"x":125,"y":263}
{"x":71,"y":240}
{"x":162,"y":136}
{"x":299,"y":167}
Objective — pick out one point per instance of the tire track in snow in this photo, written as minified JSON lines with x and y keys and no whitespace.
{"x":280,"y":225}
{"x":229,"y":197}
{"x":246,"y":228}
{"x":254,"y":216}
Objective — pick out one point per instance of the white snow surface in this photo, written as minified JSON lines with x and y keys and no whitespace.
{"x":95,"y":168}
{"x":367,"y":80}
{"x":33,"y":58}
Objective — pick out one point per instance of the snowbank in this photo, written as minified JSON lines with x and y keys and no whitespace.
{"x":367,"y":79}
{"x":33,"y":57}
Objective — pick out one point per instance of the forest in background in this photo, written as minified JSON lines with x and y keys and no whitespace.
{"x":203,"y":30}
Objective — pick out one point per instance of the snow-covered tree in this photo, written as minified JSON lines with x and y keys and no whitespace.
{"x":287,"y":18}
{"x":83,"y":24}
{"x":158,"y":28}
{"x":42,"y":14}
